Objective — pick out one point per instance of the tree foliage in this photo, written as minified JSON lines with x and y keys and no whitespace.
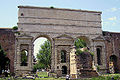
{"x":15,"y":28}
{"x":3,"y":59}
{"x":24,"y":57}
{"x":80,"y":43}
{"x":44,"y":56}
{"x":81,"y":47}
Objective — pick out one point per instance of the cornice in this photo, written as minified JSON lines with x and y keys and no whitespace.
{"x":62,"y":9}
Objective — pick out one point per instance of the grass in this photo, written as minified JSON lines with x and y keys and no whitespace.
{"x":106,"y":77}
{"x":49,"y":79}
{"x":32,"y":79}
{"x":44,"y":74}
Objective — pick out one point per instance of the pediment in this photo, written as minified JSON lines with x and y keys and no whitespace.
{"x":64,"y":36}
{"x":99,"y":38}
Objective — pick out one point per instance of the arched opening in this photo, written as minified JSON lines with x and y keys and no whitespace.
{"x":24,"y":57}
{"x":99,"y":50}
{"x":42,"y":53}
{"x":7,"y":65}
{"x":81,"y":42}
{"x":63,"y":56}
{"x":113,"y":64}
{"x":83,"y":39}
{"x":81,"y":46}
{"x":4,"y":61}
{"x":37,"y":45}
{"x":64,"y":70}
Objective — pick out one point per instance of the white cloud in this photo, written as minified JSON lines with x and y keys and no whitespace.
{"x":109,"y":24}
{"x":105,"y":23}
{"x":112,"y":18}
{"x":113,"y":9}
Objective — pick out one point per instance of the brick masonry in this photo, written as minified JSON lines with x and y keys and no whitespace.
{"x":7,"y":41}
{"x":112,"y":42}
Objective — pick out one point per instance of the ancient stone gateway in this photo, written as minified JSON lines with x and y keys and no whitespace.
{"x":62,"y":27}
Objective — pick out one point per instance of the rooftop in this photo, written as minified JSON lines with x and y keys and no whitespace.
{"x":53,"y":8}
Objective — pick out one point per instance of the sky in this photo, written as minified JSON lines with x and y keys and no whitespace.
{"x":110,"y":11}
{"x":37,"y":44}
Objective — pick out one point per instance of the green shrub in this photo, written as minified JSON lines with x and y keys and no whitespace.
{"x":98,"y":68}
{"x":52,"y":7}
{"x":116,"y":77}
{"x":15,"y":28}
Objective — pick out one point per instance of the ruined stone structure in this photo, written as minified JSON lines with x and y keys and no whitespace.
{"x":81,"y":65}
{"x":7,"y":41}
{"x":85,"y":65}
{"x":62,"y":27}
{"x":112,"y":42}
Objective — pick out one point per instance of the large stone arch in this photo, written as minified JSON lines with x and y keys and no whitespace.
{"x":85,"y":38}
{"x":60,"y":26}
{"x":47,"y":36}
{"x":42,"y":35}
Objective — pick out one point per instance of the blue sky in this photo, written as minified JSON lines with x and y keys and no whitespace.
{"x":110,"y":10}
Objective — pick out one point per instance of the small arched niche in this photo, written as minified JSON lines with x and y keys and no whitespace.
{"x":84,"y":38}
{"x":113,"y":64}
{"x":64,"y":70}
{"x":24,"y":58}
{"x":99,"y":53}
{"x":63,"y":56}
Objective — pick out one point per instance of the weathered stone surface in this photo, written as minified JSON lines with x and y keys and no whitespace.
{"x":7,"y":41}
{"x":88,"y":73}
{"x":112,"y":42}
{"x":62,"y":27}
{"x":84,"y":63}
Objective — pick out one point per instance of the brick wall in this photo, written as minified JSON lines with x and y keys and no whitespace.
{"x":112,"y":42}
{"x":7,"y":41}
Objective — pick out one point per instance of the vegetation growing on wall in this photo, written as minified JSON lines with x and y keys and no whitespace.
{"x":15,"y":28}
{"x":51,"y":7}
{"x":81,"y":47}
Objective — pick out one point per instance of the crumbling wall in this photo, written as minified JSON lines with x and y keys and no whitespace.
{"x":112,"y":42}
{"x":7,"y":41}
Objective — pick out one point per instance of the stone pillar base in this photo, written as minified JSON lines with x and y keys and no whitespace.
{"x":88,"y":73}
{"x":21,"y":72}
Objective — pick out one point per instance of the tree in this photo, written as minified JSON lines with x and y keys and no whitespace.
{"x":44,"y":56}
{"x":15,"y":28}
{"x":81,"y":47}
{"x":80,"y":43}
{"x":3,"y":59}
